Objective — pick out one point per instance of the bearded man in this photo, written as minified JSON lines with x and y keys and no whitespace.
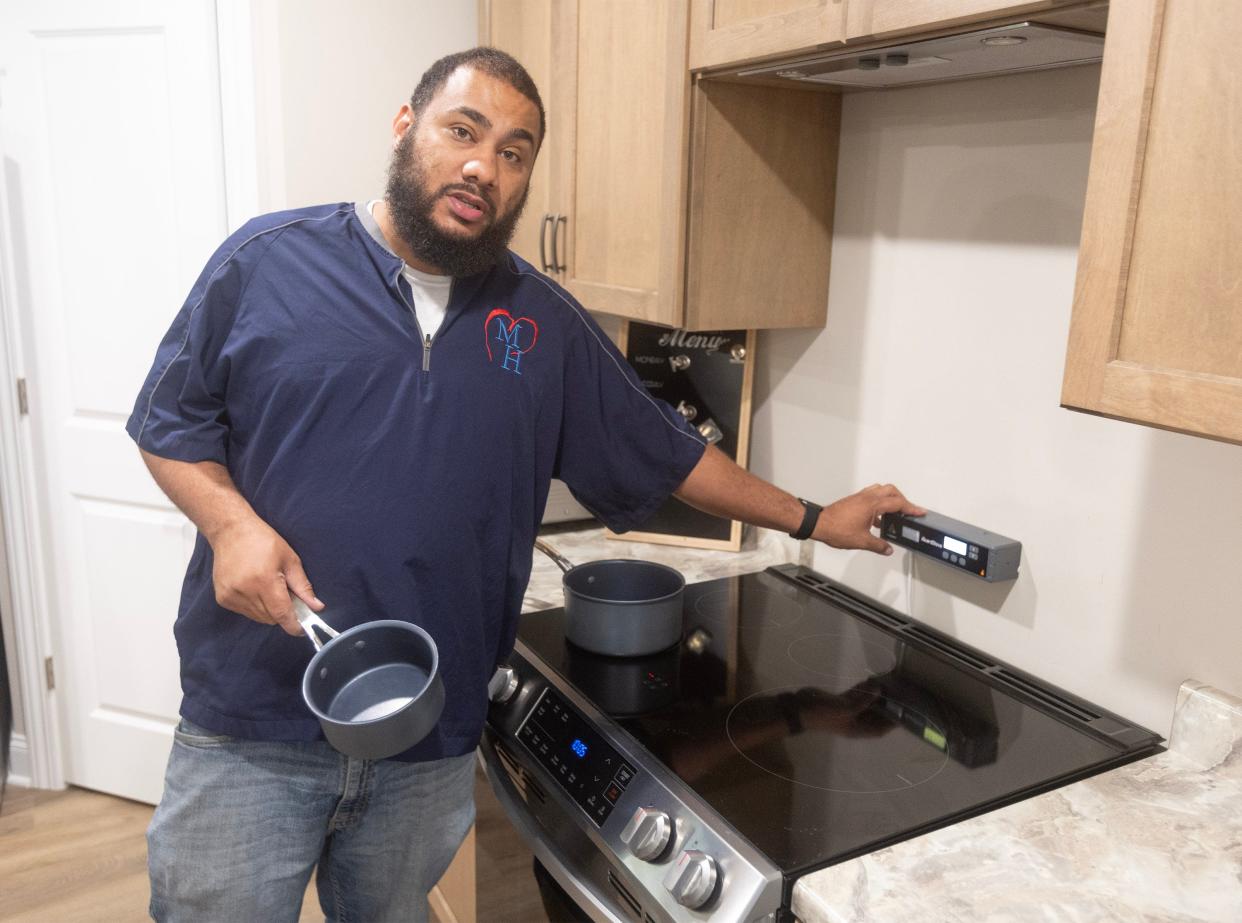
{"x":376,"y":396}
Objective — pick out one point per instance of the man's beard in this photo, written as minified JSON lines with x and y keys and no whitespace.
{"x":410,"y":205}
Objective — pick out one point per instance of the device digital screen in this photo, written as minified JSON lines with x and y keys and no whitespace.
{"x":909,"y":534}
{"x":954,"y":545}
{"x":579,"y":748}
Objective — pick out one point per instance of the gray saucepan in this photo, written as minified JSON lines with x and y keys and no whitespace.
{"x":623,"y":608}
{"x":376,"y":688}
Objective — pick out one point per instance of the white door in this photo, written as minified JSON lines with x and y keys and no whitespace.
{"x":113,"y":164}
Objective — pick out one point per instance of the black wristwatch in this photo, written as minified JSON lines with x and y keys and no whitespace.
{"x":809,"y":519}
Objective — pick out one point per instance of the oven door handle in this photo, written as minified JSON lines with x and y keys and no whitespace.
{"x":561,"y":868}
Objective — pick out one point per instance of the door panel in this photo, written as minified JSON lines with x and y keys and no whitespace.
{"x":113,"y":162}
{"x":733,"y":31}
{"x":1155,"y":333}
{"x":523,"y":28}
{"x":134,"y":557}
{"x":627,"y":224}
{"x":867,"y":18}
{"x":93,"y":85}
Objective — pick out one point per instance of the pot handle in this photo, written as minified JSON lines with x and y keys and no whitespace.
{"x":310,"y":621}
{"x":561,"y":561}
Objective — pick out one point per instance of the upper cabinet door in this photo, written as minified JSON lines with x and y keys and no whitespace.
{"x":1156,"y":335}
{"x":878,"y":18}
{"x":626,"y":226}
{"x":732,"y":31}
{"x":523,"y":28}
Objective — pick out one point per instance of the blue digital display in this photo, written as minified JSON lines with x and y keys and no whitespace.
{"x":579,"y":748}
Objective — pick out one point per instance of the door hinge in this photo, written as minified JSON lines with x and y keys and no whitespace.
{"x":50,"y":670}
{"x":23,"y":400}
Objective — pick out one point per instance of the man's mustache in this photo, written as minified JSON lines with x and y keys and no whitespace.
{"x":472,"y":190}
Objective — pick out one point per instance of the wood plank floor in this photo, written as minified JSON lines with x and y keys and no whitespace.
{"x":72,"y":855}
{"x":78,"y":855}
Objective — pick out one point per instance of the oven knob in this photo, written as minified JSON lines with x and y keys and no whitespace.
{"x":692,"y":880}
{"x":647,"y":833}
{"x":503,"y":684}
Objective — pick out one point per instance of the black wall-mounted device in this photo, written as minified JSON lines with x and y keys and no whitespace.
{"x":959,"y":545}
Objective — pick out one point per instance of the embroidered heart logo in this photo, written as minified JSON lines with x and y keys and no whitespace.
{"x":518,"y":334}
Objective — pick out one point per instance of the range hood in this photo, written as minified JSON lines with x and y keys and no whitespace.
{"x":1008,"y":49}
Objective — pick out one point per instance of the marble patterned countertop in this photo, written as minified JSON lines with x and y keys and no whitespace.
{"x":1157,"y":840}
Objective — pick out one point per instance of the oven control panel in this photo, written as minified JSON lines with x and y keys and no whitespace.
{"x":580,"y":761}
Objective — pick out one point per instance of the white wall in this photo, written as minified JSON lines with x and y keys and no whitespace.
{"x":334,"y":75}
{"x":957,"y":221}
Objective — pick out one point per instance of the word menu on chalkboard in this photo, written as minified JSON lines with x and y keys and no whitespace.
{"x":707,"y":376}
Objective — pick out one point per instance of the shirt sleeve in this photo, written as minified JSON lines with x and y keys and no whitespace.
{"x":180,"y":412}
{"x":622,"y":452}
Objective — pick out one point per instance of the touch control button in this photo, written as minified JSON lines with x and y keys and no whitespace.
{"x":647,"y":833}
{"x":692,"y":880}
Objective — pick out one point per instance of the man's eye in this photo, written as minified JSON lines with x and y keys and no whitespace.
{"x":511,"y":156}
{"x":460,"y":133}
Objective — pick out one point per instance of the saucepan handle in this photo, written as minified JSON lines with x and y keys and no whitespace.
{"x":310,"y":621}
{"x":561,"y":561}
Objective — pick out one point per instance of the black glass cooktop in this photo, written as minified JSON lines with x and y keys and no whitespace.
{"x":822,"y":725}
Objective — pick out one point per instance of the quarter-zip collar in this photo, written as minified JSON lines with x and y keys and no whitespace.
{"x":462,"y":291}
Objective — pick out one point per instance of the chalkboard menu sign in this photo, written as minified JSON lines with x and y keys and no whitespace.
{"x":707,"y":376}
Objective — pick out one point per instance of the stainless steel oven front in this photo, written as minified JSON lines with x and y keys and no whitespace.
{"x":624,"y":838}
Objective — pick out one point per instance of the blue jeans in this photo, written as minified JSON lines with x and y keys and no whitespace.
{"x":242,"y":823}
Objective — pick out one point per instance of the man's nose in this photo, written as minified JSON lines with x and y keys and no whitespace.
{"x":480,"y":170}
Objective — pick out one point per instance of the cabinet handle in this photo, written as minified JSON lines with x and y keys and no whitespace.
{"x":556,"y":229}
{"x":555,"y":219}
{"x":543,"y":242}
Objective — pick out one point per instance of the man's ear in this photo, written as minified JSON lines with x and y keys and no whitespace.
{"x":401,"y":123}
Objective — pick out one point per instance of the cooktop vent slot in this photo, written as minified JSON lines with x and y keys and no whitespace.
{"x":846,"y":601}
{"x":884,"y":618}
{"x":1053,"y":701}
{"x":947,"y":648}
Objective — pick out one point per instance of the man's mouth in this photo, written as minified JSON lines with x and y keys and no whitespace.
{"x":467,"y":207}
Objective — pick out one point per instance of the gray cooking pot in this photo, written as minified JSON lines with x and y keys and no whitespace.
{"x":623,"y":608}
{"x":376,"y":688}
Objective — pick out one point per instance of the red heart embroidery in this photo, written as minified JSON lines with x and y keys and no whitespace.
{"x":508,"y":333}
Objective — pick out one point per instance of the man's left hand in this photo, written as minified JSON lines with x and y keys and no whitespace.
{"x":848,"y":522}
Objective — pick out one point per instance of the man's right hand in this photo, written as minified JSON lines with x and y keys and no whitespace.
{"x":256,"y":573}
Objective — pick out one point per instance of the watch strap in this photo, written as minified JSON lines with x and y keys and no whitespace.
{"x":809,"y":519}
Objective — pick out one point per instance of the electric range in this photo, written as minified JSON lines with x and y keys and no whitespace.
{"x":796,"y":725}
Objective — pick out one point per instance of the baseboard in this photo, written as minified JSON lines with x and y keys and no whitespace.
{"x":19,"y":761}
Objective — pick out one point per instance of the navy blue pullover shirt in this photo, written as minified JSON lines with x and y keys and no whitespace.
{"x":410,"y":478}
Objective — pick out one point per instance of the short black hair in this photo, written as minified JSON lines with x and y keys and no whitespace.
{"x":491,"y":61}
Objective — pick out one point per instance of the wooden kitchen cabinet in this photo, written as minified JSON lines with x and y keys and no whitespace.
{"x":629,"y":236}
{"x":625,"y":166}
{"x":868,"y":19}
{"x":523,"y":28}
{"x":1156,"y":335}
{"x":731,"y":31}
